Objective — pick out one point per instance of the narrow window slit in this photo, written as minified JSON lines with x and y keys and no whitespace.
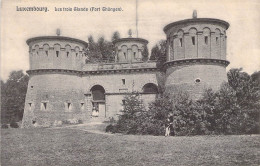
{"x":68,"y":105}
{"x":181,"y":42}
{"x":82,"y":105}
{"x":57,"y":53}
{"x":193,"y":40}
{"x":206,"y":39}
{"x":45,"y":105}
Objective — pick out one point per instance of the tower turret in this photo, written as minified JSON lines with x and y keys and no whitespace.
{"x":54,"y":90}
{"x":56,"y":52}
{"x":196,"y":54}
{"x":129,"y":50}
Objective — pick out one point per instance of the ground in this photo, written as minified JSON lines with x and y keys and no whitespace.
{"x":76,"y":146}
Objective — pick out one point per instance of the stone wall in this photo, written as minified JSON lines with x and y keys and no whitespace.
{"x":196,"y":40}
{"x":195,"y":78}
{"x":57,"y":96}
{"x":56,"y":53}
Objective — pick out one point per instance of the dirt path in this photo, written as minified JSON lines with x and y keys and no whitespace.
{"x":97,"y":128}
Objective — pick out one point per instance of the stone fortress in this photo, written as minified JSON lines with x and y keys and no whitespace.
{"x":63,"y":86}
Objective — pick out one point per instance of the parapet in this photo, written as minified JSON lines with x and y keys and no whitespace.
{"x":56,"y":52}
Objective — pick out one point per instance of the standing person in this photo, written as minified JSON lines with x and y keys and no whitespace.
{"x":172,"y":133}
{"x":167,"y":127}
{"x":169,"y":131}
{"x":94,"y":112}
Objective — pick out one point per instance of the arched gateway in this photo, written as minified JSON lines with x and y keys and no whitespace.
{"x":98,"y":101}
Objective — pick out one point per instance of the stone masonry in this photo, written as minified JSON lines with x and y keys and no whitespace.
{"x":63,"y":86}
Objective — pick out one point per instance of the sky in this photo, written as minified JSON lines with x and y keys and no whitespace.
{"x":243,"y":35}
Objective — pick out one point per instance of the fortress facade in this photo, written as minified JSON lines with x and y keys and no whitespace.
{"x":63,"y":86}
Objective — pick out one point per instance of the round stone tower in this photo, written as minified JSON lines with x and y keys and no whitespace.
{"x":54,"y":89}
{"x":129,"y":50}
{"x":196,"y":54}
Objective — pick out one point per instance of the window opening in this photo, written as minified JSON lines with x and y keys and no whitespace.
{"x":123,"y":81}
{"x":44,"y":105}
{"x":193,"y":40}
{"x":216,"y":39}
{"x":82,"y":105}
{"x":68,"y":54}
{"x":76,"y":54}
{"x":206,"y":40}
{"x":181,"y":42}
{"x":57,"y":53}
{"x":46,"y":53}
{"x":197,"y":80}
{"x":69,"y":105}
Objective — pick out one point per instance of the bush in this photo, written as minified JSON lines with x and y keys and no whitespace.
{"x":111,"y":128}
{"x":233,"y":109}
{"x":4,"y":126}
{"x":14,"y":125}
{"x":130,"y":120}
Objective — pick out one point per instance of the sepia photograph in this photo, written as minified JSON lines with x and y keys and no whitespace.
{"x":130,"y":82}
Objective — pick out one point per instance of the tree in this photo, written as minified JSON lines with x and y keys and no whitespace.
{"x":131,"y":117}
{"x":247,"y":88}
{"x":99,"y":51}
{"x":106,"y":49}
{"x":145,"y":53}
{"x":115,"y":36}
{"x":159,"y":51}
{"x":93,"y":52}
{"x":13,"y":94}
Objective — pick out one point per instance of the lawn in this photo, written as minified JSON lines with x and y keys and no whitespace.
{"x":76,"y":147}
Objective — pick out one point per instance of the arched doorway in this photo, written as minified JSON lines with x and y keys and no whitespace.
{"x":98,"y":101}
{"x":150,"y":88}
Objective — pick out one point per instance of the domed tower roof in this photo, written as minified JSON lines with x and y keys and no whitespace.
{"x":197,"y":21}
{"x":57,"y":38}
{"x":130,"y":39}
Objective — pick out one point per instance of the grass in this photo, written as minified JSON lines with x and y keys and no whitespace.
{"x":76,"y":147}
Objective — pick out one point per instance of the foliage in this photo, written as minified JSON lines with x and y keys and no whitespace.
{"x":13,"y":93}
{"x":158,"y":53}
{"x":14,"y":125}
{"x":100,"y":51}
{"x":115,"y":36}
{"x":4,"y":126}
{"x":233,"y":109}
{"x":159,"y":50}
{"x":145,"y":53}
{"x":131,"y":115}
{"x":110,"y":128}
